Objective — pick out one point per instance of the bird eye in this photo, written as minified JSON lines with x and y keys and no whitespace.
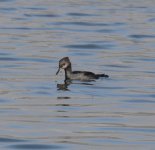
{"x":62,"y":65}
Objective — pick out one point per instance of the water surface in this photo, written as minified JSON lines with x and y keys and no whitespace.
{"x":37,"y":111}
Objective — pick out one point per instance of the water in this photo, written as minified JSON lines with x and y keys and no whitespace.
{"x":114,"y":37}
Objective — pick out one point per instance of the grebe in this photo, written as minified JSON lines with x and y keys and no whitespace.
{"x":65,"y":64}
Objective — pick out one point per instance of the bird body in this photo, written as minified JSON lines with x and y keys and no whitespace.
{"x":65,"y":64}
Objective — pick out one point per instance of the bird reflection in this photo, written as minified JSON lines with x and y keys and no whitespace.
{"x":64,"y":86}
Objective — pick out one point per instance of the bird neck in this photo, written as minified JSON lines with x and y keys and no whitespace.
{"x":68,"y":72}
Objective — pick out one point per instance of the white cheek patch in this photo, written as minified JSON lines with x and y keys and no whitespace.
{"x":64,"y":66}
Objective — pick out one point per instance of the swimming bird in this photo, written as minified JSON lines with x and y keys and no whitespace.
{"x":65,"y":64}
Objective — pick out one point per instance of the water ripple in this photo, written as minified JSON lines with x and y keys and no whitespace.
{"x":119,"y":66}
{"x":140,"y":101}
{"x":81,"y":23}
{"x":41,"y":15}
{"x":152,"y":20}
{"x":26,"y":59}
{"x":10,"y":140}
{"x":35,"y":146}
{"x":23,"y":28}
{"x":89,"y":46}
{"x":34,"y":8}
{"x":105,"y":31}
{"x":6,"y":0}
{"x":80,"y":14}
{"x":141,"y":36}
{"x":8,"y":9}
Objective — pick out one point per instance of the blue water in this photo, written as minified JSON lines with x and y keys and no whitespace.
{"x":38,"y":111}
